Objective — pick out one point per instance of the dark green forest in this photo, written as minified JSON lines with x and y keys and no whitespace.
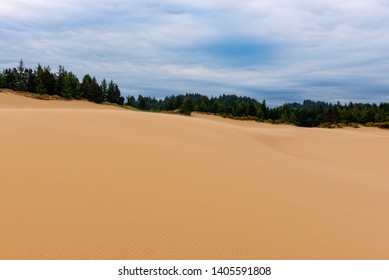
{"x":62,"y":83}
{"x":307,"y":114}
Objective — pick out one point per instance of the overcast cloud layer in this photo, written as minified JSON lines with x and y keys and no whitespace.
{"x":277,"y":50}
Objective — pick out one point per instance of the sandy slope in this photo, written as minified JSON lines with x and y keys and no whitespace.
{"x":80,"y":182}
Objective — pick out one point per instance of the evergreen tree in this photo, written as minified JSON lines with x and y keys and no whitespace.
{"x":61,"y":80}
{"x":187,"y":106}
{"x":119,"y":97}
{"x":113,"y":94}
{"x":141,"y":102}
{"x":131,"y":101}
{"x":252,"y":109}
{"x":104,"y":88}
{"x":169,"y":103}
{"x":70,"y":86}
{"x":97,"y":93}
{"x":9,"y":78}
{"x":31,"y":80}
{"x":91,"y":90}
{"x":3,"y":83}
{"x":49,"y":80}
{"x":263,"y":111}
{"x":21,"y":78}
{"x":86,"y":87}
{"x":40,"y":81}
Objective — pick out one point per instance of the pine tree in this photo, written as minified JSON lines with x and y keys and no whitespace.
{"x":111,"y":92}
{"x":131,"y":101}
{"x":70,"y":86}
{"x":21,"y":78}
{"x":142,"y":105}
{"x":40,"y":85}
{"x":187,"y":106}
{"x":119,"y":99}
{"x":86,"y":87}
{"x":3,"y":83}
{"x":31,"y":80}
{"x":104,"y":88}
{"x":61,"y":80}
{"x":97,"y":93}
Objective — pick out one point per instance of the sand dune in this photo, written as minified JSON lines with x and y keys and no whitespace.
{"x":85,"y":181}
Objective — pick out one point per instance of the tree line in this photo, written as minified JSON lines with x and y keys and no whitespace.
{"x":307,"y":114}
{"x":62,"y":83}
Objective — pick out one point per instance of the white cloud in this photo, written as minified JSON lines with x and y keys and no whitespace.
{"x":320,"y":49}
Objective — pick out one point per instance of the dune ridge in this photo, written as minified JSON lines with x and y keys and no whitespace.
{"x":86,"y":181}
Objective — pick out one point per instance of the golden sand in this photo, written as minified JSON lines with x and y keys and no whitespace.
{"x":85,"y":181}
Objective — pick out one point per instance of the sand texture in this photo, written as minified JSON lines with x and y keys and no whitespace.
{"x":86,"y":181}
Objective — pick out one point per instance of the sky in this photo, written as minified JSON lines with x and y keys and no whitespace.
{"x":278,"y":50}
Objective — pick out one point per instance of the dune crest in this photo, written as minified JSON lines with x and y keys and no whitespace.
{"x":86,"y":181}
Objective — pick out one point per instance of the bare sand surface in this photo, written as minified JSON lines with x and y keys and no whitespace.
{"x":85,"y":181}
